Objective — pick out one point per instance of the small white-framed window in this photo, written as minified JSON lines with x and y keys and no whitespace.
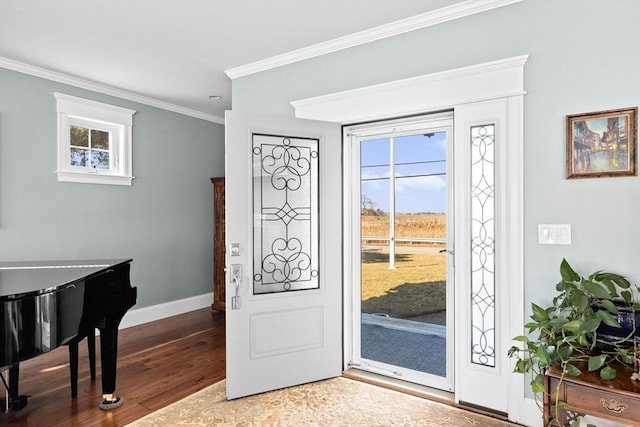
{"x":94,"y":141}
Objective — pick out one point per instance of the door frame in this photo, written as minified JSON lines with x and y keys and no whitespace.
{"x":352,"y":137}
{"x":500,"y":79}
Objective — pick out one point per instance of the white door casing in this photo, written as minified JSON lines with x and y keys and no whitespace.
{"x":465,"y":90}
{"x":281,"y":339}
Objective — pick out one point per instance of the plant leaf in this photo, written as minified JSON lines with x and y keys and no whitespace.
{"x":590,"y":325}
{"x":539,"y":313}
{"x":626,"y":295}
{"x":607,"y":319}
{"x":618,"y":279}
{"x":596,"y":289}
{"x":567,"y":273}
{"x":543,"y":357}
{"x":596,"y":362}
{"x":537,"y":386}
{"x":565,"y":352}
{"x":608,"y":373}
{"x":572,"y":326}
{"x":626,"y":356}
{"x":583,"y":341}
{"x":557,"y":322}
{"x":611,"y":287}
{"x":513,"y":351}
{"x":572,"y":370}
{"x":561,"y":286}
{"x":609,"y":306}
{"x":580,"y":301}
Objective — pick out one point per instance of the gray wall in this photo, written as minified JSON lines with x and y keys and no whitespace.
{"x":163,"y":221}
{"x":584,"y":56}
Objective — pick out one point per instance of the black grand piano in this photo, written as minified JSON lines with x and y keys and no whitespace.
{"x":45,"y":305}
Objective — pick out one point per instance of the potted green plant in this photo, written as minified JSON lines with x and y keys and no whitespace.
{"x":567,"y":333}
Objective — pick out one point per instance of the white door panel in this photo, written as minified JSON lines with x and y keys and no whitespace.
{"x":283,"y":319}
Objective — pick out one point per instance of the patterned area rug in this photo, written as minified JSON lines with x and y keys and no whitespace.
{"x":337,"y":402}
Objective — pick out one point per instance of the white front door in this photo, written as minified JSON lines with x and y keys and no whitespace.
{"x":283,"y":236}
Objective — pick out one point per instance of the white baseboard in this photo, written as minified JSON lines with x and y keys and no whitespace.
{"x":143,"y":315}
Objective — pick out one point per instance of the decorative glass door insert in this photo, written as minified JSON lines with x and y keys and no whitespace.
{"x":285,"y":213}
{"x":483,"y":245}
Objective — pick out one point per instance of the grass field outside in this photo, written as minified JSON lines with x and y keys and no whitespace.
{"x":417,"y":286}
{"x":422,"y":225}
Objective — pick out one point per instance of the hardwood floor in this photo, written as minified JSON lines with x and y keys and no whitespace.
{"x":158,"y":363}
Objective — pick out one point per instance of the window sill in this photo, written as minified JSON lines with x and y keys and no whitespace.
{"x":94,"y":178}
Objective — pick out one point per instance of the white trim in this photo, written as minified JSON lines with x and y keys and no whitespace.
{"x":85,"y":178}
{"x":55,"y":76}
{"x":151,"y":313}
{"x":502,"y":79}
{"x":118,"y":121}
{"x":518,"y":409}
{"x":417,"y":22}
{"x":531,"y":413}
{"x":429,"y":92}
{"x":111,"y":113}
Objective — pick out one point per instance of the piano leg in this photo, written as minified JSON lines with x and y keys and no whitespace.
{"x":73,"y":360}
{"x":73,"y":366}
{"x":13,"y":401}
{"x":91,"y":344}
{"x":108,"y":356}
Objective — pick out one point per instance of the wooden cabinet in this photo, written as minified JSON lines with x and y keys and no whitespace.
{"x":588,"y":394}
{"x":219,"y":246}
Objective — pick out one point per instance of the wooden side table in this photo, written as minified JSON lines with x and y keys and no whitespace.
{"x":588,"y":394}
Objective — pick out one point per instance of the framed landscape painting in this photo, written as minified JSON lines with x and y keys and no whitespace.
{"x":602,"y":143}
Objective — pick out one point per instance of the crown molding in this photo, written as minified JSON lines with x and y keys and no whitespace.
{"x":21,"y":67}
{"x":430,"y":92}
{"x":417,"y":22}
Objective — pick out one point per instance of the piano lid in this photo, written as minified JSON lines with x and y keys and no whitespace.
{"x":19,"y":279}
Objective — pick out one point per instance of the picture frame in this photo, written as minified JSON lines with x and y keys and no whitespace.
{"x":602,"y":144}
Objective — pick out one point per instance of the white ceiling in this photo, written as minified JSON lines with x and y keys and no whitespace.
{"x":177,"y":51}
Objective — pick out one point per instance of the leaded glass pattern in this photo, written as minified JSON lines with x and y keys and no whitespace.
{"x":483,"y":245}
{"x":285,"y":212}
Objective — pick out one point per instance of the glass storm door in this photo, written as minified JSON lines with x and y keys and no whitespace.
{"x":283,"y":231}
{"x":404,"y":292}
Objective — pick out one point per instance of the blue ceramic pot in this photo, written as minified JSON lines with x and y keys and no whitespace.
{"x":629,"y":320}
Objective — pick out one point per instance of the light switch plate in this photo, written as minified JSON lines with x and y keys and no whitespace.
{"x":554,"y":234}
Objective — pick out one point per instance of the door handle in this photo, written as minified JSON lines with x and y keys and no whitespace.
{"x":236,"y":279}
